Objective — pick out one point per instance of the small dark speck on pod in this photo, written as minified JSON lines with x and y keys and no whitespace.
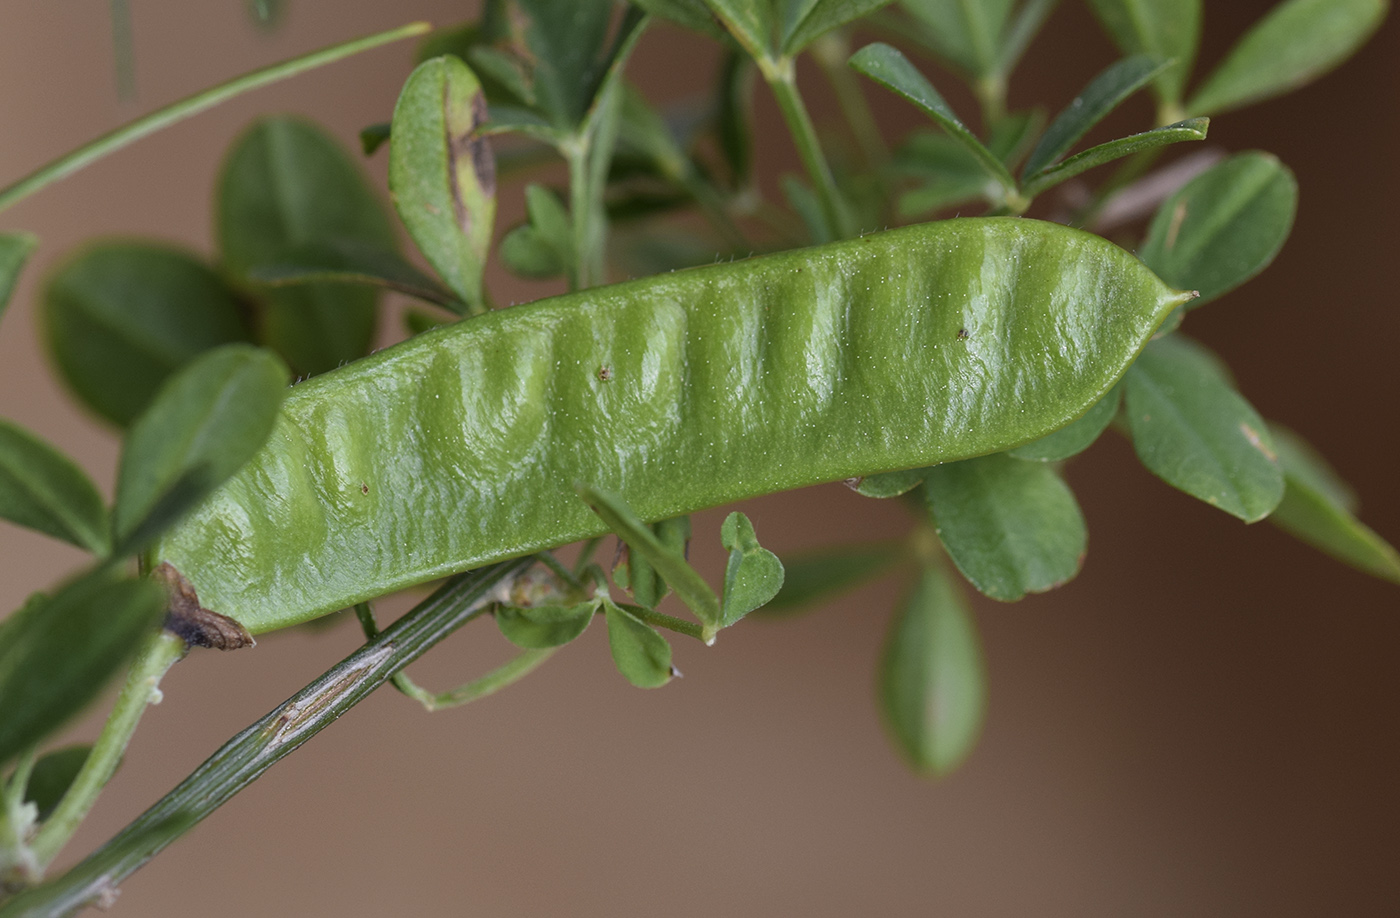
{"x":962,"y":333}
{"x":605,"y":373}
{"x":364,"y":488}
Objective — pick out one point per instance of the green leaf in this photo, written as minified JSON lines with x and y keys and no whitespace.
{"x":640,"y":653}
{"x":1195,"y":432}
{"x":15,"y":249}
{"x":1182,"y":131}
{"x":692,"y":14}
{"x":203,"y":425}
{"x":543,"y":247}
{"x":1162,"y":29}
{"x":538,"y":627}
{"x":932,"y":683}
{"x":808,"y":207}
{"x":284,"y":186}
{"x":122,"y":316}
{"x":1297,"y":42}
{"x":442,"y":175}
{"x":967,"y":33}
{"x":750,"y":22}
{"x":569,"y":42}
{"x":374,"y":136}
{"x":1224,"y":226}
{"x":884,"y":485}
{"x":1012,"y":527}
{"x":53,"y":774}
{"x":752,"y":576}
{"x":58,"y":652}
{"x":1317,"y":508}
{"x":948,"y":174}
{"x":804,"y":21}
{"x":891,"y":69}
{"x":43,"y":489}
{"x":647,"y":586}
{"x":734,"y":116}
{"x":1105,"y":93}
{"x":526,"y":253}
{"x":690,"y":587}
{"x":1075,"y":437}
{"x":345,"y":262}
{"x":815,"y":576}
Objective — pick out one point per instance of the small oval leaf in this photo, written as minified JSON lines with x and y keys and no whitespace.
{"x":932,"y":682}
{"x":1224,"y":226}
{"x":442,"y":174}
{"x":1011,"y":527}
{"x":203,"y":425}
{"x":753,"y":574}
{"x":640,"y":653}
{"x":122,"y":316}
{"x":1195,"y":432}
{"x":43,"y":489}
{"x":538,"y":627}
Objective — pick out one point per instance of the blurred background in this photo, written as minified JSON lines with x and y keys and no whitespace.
{"x":1204,"y":722}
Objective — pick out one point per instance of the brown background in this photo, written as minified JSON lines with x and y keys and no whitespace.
{"x":1204,"y":722}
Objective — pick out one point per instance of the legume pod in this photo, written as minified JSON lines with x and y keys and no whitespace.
{"x":459,"y":447}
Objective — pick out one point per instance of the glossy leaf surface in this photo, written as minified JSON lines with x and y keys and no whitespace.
{"x":58,"y":652}
{"x":538,"y":627}
{"x":287,"y":185}
{"x":203,"y":425}
{"x":1103,"y":95}
{"x":1075,"y":437}
{"x":442,"y":174}
{"x":1294,"y":44}
{"x":812,"y":577}
{"x":753,"y":575}
{"x":932,"y":679}
{"x":121,"y":317}
{"x":1224,"y":226}
{"x":1012,"y":527}
{"x":639,"y":652}
{"x":891,"y":69}
{"x":53,"y":774}
{"x":675,"y":392}
{"x":1317,"y":508}
{"x":1162,"y":29}
{"x":1195,"y":432}
{"x":43,"y":489}
{"x":15,"y":249}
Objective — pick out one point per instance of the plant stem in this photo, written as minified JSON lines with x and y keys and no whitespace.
{"x":192,"y":105}
{"x":580,"y":210}
{"x":670,"y":623}
{"x":142,"y":688}
{"x":245,"y":757}
{"x":781,"y":77}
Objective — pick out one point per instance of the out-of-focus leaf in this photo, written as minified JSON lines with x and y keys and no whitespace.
{"x":639,"y":652}
{"x":890,"y":484}
{"x":442,"y":175}
{"x":1297,"y":42}
{"x":804,"y":21}
{"x":1224,"y":226}
{"x":932,"y":681}
{"x":58,"y":652}
{"x":43,"y":489}
{"x":1317,"y":508}
{"x":122,"y":316}
{"x":750,"y":22}
{"x":812,"y":577}
{"x":286,"y":185}
{"x":53,"y":774}
{"x":348,"y":263}
{"x":569,"y":43}
{"x":205,"y":422}
{"x":1166,"y":30}
{"x":374,"y":136}
{"x":15,"y":249}
{"x":1012,"y":527}
{"x":1194,"y":431}
{"x":692,"y":14}
{"x":966,"y":34}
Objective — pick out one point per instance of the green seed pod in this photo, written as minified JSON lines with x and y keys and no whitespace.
{"x":678,"y":392}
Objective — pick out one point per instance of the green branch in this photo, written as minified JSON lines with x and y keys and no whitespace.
{"x":193,"y":105}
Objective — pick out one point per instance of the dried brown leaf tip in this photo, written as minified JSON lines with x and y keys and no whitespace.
{"x":185,"y":617}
